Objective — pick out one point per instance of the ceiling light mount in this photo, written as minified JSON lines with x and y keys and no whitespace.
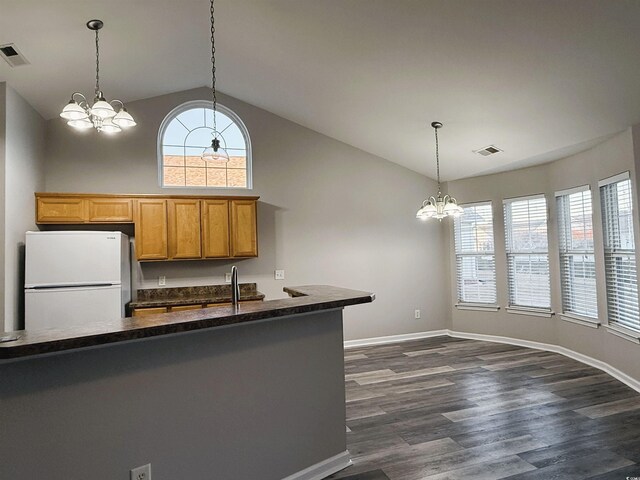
{"x":101,"y":115}
{"x":439,"y":206}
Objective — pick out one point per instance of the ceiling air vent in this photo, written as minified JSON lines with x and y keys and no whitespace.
{"x":486,"y":151}
{"x":12,"y":55}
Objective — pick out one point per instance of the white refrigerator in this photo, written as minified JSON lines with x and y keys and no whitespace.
{"x":74,"y":278}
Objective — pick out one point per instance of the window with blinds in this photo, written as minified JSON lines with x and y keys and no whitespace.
{"x":577,"y":260}
{"x":527,"y":252}
{"x":475,"y":258}
{"x":619,"y":252}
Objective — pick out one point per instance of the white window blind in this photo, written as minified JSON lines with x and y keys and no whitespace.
{"x":475,"y":259}
{"x":620,"y":253}
{"x":527,"y":252}
{"x":577,"y":260}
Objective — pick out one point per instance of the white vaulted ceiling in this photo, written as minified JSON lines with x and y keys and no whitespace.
{"x":538,"y":78}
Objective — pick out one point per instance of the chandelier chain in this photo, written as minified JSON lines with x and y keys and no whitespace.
{"x":438,"y":163}
{"x":97,"y":64}
{"x":213,"y":67}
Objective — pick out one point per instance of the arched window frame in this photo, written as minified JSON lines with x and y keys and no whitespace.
{"x":192,"y":104}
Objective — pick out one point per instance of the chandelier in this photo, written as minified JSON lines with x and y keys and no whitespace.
{"x":215,"y":152}
{"x":101,"y":115}
{"x":439,"y":206}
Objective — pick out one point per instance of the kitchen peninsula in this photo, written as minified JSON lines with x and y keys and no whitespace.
{"x":255,"y":391}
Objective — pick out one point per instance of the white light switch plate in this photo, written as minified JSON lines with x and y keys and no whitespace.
{"x":279,"y":275}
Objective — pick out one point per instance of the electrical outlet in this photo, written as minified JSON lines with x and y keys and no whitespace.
{"x":162,"y":281}
{"x":227,"y":277}
{"x":279,"y":275}
{"x":141,"y":473}
{"x":417,"y":313}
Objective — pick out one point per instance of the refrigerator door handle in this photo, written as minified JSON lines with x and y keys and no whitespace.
{"x":84,"y":285}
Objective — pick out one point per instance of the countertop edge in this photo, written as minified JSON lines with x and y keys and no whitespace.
{"x":305,"y":299}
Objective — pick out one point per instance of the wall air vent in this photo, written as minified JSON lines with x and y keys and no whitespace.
{"x":12,"y":55}
{"x":486,"y":151}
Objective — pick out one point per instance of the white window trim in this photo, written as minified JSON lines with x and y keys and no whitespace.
{"x":462,"y":305}
{"x":623,"y":332}
{"x":571,"y":191}
{"x":183,"y":107}
{"x":479,"y":307}
{"x":517,"y":309}
{"x":521,"y":199}
{"x":615,"y":179}
{"x":580,"y":320}
{"x":571,"y":316}
{"x":535,"y":312}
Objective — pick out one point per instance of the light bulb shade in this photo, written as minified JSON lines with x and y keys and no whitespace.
{"x":80,"y":124}
{"x":109,"y":127}
{"x":102,"y":109}
{"x":123,"y":119}
{"x":73,"y":111}
{"x":450,"y":208}
{"x":430,"y":209}
{"x":210,"y":155}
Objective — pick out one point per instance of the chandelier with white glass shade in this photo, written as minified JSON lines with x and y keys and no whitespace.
{"x":101,"y":115}
{"x":439,"y":206}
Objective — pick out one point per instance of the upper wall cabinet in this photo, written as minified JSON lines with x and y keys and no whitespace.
{"x":166,"y":227}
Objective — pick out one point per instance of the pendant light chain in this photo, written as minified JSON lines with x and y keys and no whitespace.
{"x":213,"y":68}
{"x":438,"y":164}
{"x":97,"y":64}
{"x":439,"y":206}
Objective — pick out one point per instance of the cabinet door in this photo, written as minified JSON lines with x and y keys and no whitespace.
{"x":184,"y":228}
{"x":110,"y":210}
{"x":215,"y":228}
{"x":141,"y":312}
{"x":151,"y":229}
{"x":182,"y":308}
{"x":61,"y":210}
{"x":244,"y":231}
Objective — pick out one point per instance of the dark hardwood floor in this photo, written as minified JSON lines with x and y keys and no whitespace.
{"x":447,"y":408}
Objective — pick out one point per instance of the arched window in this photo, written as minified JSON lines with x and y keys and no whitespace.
{"x":183,"y":136}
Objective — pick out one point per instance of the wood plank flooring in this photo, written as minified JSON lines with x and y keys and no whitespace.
{"x":447,"y":408}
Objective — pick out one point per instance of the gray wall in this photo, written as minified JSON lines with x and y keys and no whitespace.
{"x":328,"y":213}
{"x":609,"y":158}
{"x":259,"y":401}
{"x":23,"y":174}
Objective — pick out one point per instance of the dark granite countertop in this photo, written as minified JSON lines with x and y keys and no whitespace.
{"x":168,"y":297}
{"x":309,"y":298}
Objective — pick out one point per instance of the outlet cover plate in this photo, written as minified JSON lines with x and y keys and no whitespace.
{"x":141,"y":473}
{"x":279,"y":275}
{"x":417,"y":313}
{"x":162,"y":281}
{"x":227,"y":277}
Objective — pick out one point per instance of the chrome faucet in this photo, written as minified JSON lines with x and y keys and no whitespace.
{"x":235,"y":288}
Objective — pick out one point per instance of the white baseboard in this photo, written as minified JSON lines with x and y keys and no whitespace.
{"x":605,"y":367}
{"x":324,"y":468}
{"x":365,"y":342}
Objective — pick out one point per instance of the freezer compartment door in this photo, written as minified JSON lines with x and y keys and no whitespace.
{"x":71,"y":307}
{"x":73,"y":258}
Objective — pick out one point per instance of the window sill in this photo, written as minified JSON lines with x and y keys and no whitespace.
{"x":479,"y":307}
{"x":622,"y":332}
{"x":535,"y":312}
{"x":580,"y":320}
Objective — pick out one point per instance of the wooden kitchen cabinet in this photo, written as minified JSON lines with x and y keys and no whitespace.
{"x":244,"y":228}
{"x":151,"y":229}
{"x":184,"y":228}
{"x":110,"y":210}
{"x":215,"y":228}
{"x":141,"y":312}
{"x":182,"y":308}
{"x":61,"y":210}
{"x":167,"y":227}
